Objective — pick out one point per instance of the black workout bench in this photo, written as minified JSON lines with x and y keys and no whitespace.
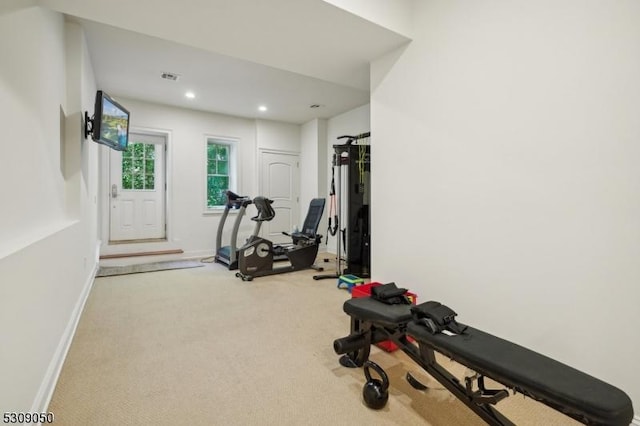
{"x":559,"y":386}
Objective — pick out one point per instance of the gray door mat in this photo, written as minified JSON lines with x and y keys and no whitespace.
{"x":109,"y":271}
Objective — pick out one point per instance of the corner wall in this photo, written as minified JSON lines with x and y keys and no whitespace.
{"x":394,"y":15}
{"x":510,"y":132}
{"x":313,"y":165}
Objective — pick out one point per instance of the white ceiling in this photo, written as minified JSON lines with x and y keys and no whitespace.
{"x":233,"y":54}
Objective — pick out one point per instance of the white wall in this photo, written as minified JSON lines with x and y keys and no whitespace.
{"x":349,"y":123}
{"x":190,"y":227}
{"x":48,"y":231}
{"x":273,"y":135}
{"x":32,"y":84}
{"x":509,"y":134}
{"x":313,"y":165}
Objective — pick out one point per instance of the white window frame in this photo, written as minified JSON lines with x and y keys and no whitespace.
{"x":234,"y":167}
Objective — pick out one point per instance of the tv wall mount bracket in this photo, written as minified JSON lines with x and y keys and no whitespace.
{"x":88,"y":125}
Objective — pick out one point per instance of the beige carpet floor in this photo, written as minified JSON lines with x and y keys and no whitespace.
{"x":200,"y":347}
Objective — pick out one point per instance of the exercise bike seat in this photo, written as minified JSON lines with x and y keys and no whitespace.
{"x":309,"y":232}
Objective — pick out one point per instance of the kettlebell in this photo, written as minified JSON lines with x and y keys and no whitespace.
{"x":375,"y":392}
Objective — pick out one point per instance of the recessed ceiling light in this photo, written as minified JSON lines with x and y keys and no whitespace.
{"x":262,"y":108}
{"x":190,"y":95}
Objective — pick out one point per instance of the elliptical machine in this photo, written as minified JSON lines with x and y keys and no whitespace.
{"x":228,"y":255}
{"x":256,"y":257}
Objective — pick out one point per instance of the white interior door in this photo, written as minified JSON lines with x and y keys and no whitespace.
{"x":137,"y":189}
{"x":280,"y":182}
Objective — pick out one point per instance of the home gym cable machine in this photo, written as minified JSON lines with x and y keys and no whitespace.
{"x":349,"y":206}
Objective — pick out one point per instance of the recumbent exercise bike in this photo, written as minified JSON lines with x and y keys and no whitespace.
{"x":256,"y":257}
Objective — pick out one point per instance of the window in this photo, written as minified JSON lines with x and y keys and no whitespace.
{"x":138,"y":166}
{"x":221,"y":170}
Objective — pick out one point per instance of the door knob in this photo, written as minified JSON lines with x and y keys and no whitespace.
{"x":114,"y":190}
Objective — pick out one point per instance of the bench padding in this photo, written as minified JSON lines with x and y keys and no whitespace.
{"x":577,"y":394}
{"x":368,"y":309}
{"x":542,"y":378}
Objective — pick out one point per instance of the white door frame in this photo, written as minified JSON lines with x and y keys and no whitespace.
{"x":106,"y":190}
{"x":261,"y":191}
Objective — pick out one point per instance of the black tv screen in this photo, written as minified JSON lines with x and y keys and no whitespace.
{"x":110,"y":123}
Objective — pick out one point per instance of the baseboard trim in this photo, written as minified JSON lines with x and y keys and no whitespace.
{"x":141,"y":253}
{"x":48,"y":385}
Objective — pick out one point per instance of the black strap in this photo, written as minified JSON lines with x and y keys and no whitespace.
{"x":442,"y":315}
{"x":332,"y":229}
{"x":390,"y":294}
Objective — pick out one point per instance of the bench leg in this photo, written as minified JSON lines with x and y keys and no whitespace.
{"x":425,"y":357}
{"x":359,"y":356}
{"x":356,"y":348}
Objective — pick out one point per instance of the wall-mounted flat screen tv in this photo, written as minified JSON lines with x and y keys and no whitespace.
{"x":110,"y":123}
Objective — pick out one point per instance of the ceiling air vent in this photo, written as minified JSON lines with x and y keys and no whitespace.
{"x":170,"y":76}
